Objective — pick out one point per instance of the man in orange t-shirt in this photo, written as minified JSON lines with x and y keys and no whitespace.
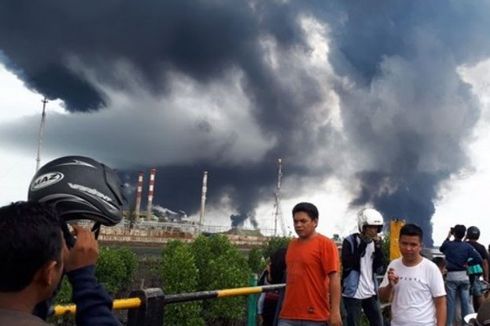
{"x":312,"y":294}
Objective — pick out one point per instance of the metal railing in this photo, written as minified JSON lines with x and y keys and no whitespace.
{"x":146,"y":307}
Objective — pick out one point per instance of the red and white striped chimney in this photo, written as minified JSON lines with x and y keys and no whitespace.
{"x":139,"y":191}
{"x":151,"y":188}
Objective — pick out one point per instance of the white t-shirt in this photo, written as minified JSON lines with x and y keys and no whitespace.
{"x":413,"y":303}
{"x":365,"y":288}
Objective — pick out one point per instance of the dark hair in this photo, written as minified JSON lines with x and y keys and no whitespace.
{"x":307,"y":208}
{"x":459,"y":231}
{"x":278,"y":266}
{"x":412,"y":230}
{"x":30,"y":236}
{"x":439,"y":261}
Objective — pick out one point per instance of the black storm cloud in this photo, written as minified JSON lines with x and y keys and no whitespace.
{"x":367,"y":92}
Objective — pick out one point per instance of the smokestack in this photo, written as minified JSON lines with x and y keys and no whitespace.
{"x":203,"y":197}
{"x":150,"y":194}
{"x":139,"y":190}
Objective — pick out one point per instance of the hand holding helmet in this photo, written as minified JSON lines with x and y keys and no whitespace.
{"x":79,"y":188}
{"x":84,"y":252}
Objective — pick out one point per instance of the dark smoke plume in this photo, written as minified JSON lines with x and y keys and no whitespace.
{"x":405,"y":112}
{"x":410,"y":111}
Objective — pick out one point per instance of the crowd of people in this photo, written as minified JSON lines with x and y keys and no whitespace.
{"x":325,"y":288}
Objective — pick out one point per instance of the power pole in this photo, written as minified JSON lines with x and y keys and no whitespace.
{"x":41,"y":130}
{"x":277,"y":202}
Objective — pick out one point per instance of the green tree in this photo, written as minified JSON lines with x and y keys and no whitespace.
{"x":256,"y":261}
{"x":179,"y":274}
{"x":115,"y":269}
{"x":274,"y":244}
{"x":130,"y":261}
{"x":221,"y":266}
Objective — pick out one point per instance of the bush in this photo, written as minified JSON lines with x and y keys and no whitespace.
{"x":179,"y":274}
{"x":274,"y":244}
{"x":256,"y":261}
{"x":115,"y":269}
{"x":130,"y":261}
{"x":221,"y":266}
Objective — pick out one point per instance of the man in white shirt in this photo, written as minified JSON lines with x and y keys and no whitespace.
{"x":362,"y":258}
{"x":414,"y":284}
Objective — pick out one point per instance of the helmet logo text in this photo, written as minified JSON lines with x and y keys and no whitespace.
{"x":46,"y":180}
{"x":90,"y":191}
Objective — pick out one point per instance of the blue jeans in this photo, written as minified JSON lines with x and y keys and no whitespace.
{"x":371,"y":309}
{"x":459,"y":289}
{"x":289,"y":322}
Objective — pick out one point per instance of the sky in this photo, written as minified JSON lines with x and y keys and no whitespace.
{"x":384,"y":107}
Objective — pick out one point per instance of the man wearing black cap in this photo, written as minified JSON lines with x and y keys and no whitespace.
{"x":477,"y":271}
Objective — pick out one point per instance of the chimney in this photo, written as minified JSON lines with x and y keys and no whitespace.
{"x":150,"y":194}
{"x":139,"y":190}
{"x":203,"y":198}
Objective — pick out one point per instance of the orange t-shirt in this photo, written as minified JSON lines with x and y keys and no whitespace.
{"x":308,"y":263}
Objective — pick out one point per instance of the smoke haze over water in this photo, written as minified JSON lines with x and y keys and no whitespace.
{"x":369,"y":93}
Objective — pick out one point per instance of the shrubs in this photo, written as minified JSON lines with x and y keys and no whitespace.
{"x":208,"y":263}
{"x":256,"y":260}
{"x":212,"y":263}
{"x":274,"y":244}
{"x":115,"y":270}
{"x":179,"y":274}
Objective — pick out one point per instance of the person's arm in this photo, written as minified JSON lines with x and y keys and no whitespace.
{"x":485,"y":269}
{"x":443,"y":247}
{"x":441,"y":310}
{"x":477,"y":259}
{"x":385,"y":291}
{"x":94,"y":305}
{"x":334,"y":289}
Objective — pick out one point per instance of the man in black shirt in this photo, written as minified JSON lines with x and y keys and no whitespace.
{"x":476,"y":285}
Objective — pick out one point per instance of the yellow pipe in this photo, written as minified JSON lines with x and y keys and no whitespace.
{"x":128,"y":303}
{"x":118,"y":304}
{"x":69,"y":309}
{"x":239,"y":291}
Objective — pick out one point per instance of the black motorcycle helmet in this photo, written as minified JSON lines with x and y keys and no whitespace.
{"x":473,"y":233}
{"x":79,"y":188}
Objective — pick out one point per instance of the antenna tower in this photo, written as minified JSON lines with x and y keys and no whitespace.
{"x":41,"y":130}
{"x":277,"y":202}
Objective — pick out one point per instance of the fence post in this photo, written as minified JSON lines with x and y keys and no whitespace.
{"x":252,"y":303}
{"x":150,"y":312}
